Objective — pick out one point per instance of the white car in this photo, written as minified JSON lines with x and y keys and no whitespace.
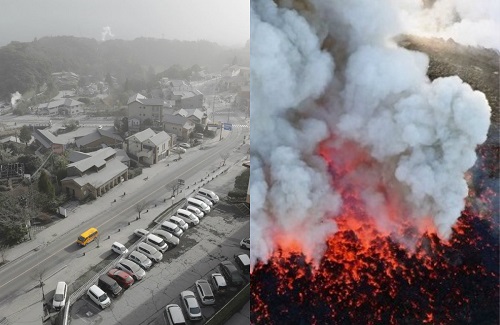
{"x":119,"y":248}
{"x":59,"y":299}
{"x":98,"y":296}
{"x":179,"y":222}
{"x":194,"y":210}
{"x":191,"y":305}
{"x":205,"y":292}
{"x":205,"y":200}
{"x":219,"y":282}
{"x":178,"y":150}
{"x":174,"y":315}
{"x":184,"y":145}
{"x":188,"y":217}
{"x":141,"y":232}
{"x":245,"y":243}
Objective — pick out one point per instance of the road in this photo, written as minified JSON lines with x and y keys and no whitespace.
{"x":17,"y":278}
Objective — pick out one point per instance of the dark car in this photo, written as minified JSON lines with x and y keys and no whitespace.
{"x":109,"y":285}
{"x":230,"y":272}
{"x":122,"y":277}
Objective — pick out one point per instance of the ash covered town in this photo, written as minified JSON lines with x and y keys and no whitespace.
{"x":124,"y":163}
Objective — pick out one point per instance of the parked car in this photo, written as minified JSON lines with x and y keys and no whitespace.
{"x":152,"y":253}
{"x":205,"y":292}
{"x":194,"y":210}
{"x":141,"y":232}
{"x":243,"y":262}
{"x":119,"y":248}
{"x":184,"y":145}
{"x":109,"y":285}
{"x":131,"y":268}
{"x":174,"y":315}
{"x":205,"y":200}
{"x":198,"y":135}
{"x":209,"y":195}
{"x":191,"y":305}
{"x":168,"y":237}
{"x":218,"y":282}
{"x":230,"y":272}
{"x":188,"y":217}
{"x":178,"y":150}
{"x":171,"y":228}
{"x":98,"y":296}
{"x":199,"y":204}
{"x":157,"y":243}
{"x":124,"y":279}
{"x":179,"y":222}
{"x":245,"y":243}
{"x":140,"y":259}
{"x":60,"y":295}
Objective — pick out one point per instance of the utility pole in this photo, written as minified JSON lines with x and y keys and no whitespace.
{"x":221,"y":130}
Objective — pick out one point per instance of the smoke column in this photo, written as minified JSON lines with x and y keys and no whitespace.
{"x":106,"y":31}
{"x":15,"y":97}
{"x":363,"y":89}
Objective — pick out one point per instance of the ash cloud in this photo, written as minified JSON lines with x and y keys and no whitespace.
{"x":106,"y":33}
{"x":422,"y":133}
{"x":289,"y":191}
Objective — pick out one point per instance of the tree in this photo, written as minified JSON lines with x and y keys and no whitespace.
{"x":126,"y":85}
{"x":13,"y":219}
{"x":109,"y":80}
{"x":139,"y":207}
{"x":45,"y":186}
{"x":25,"y":134}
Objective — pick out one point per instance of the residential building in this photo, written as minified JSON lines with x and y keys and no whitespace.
{"x":99,"y":138}
{"x":181,"y":126}
{"x":61,"y":106}
{"x":193,"y":114}
{"x":144,"y":108}
{"x":149,"y":147}
{"x":49,"y":141}
{"x":65,"y":79}
{"x":94,"y":174}
{"x":187,"y":98}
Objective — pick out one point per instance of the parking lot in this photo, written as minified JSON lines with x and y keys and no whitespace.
{"x":201,"y":249}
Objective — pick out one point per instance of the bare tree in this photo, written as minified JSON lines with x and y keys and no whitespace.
{"x":139,"y":207}
{"x":224,"y":157}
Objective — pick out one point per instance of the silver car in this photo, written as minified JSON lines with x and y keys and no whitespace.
{"x":191,"y":305}
{"x":194,"y":210}
{"x":168,"y":237}
{"x":205,"y":200}
{"x":151,"y":252}
{"x":141,"y":260}
{"x":131,"y":268}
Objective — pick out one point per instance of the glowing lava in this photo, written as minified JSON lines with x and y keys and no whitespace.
{"x":382,"y":266}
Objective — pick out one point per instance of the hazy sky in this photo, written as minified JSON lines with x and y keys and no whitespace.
{"x":226,"y":22}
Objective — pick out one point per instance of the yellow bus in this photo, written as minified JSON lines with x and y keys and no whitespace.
{"x":87,"y":237}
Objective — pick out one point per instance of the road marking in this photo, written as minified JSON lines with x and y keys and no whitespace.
{"x":55,"y":253}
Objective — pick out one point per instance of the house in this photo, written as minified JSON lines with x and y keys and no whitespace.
{"x":187,"y":98}
{"x":49,"y":141}
{"x":13,"y":139}
{"x":94,"y":173}
{"x":143,"y":108}
{"x":65,"y":79}
{"x":99,"y":138}
{"x":175,"y":84}
{"x":181,"y":126}
{"x":134,"y":124}
{"x":149,"y":147}
{"x":61,"y":106}
{"x":234,"y":77}
{"x":194,"y":114}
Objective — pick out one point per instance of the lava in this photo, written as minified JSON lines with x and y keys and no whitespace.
{"x":382,"y":266}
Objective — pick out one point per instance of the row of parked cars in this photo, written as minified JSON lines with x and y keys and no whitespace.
{"x":150,"y":250}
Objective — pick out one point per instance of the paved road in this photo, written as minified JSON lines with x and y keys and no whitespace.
{"x":18,"y":278}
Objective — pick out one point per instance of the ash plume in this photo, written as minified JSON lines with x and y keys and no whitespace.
{"x":106,"y":33}
{"x":14,"y":98}
{"x":367,"y":90}
{"x":474,"y":23}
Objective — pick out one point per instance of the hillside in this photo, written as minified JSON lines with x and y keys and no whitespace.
{"x":25,"y":66}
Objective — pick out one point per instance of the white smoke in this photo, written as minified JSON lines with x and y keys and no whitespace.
{"x":423,"y":133}
{"x":474,"y":23}
{"x":14,"y":98}
{"x":289,"y":191}
{"x":106,"y":32}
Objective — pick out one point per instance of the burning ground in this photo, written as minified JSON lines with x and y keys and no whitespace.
{"x":368,"y":203}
